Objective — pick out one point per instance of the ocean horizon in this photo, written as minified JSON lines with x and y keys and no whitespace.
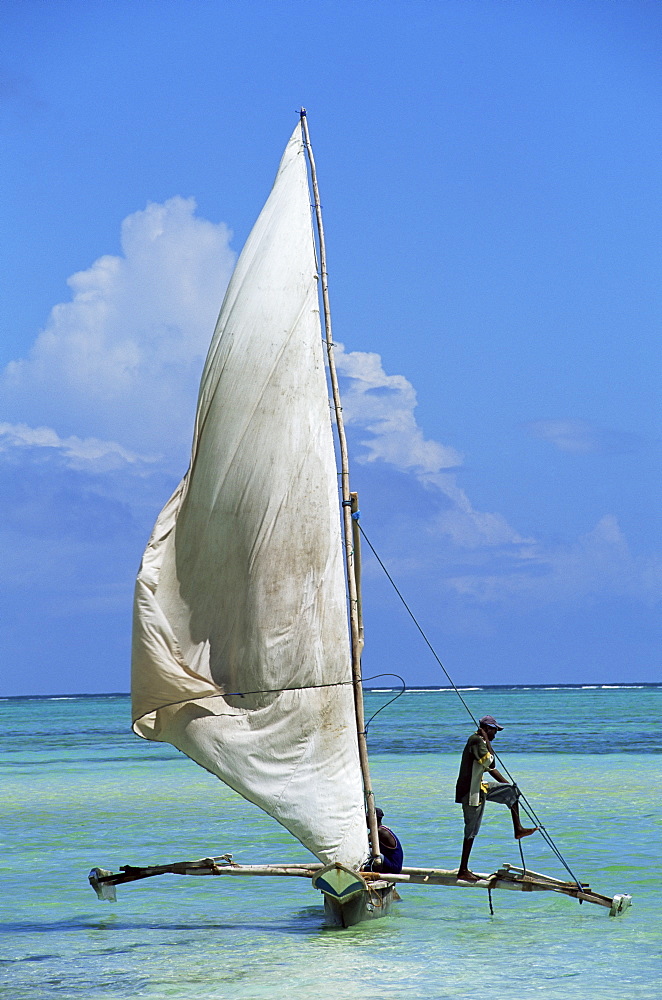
{"x":423,"y":688}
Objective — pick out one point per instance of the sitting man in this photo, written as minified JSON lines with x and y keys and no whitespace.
{"x":472,"y":792}
{"x":390,"y":848}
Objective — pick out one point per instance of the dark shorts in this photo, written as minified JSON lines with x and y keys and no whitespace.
{"x":473,"y":815}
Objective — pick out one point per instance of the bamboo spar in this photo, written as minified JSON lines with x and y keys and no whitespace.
{"x":507,"y":877}
{"x":356,"y":538}
{"x":356,"y":643}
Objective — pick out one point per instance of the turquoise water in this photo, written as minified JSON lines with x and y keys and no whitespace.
{"x":78,"y":789}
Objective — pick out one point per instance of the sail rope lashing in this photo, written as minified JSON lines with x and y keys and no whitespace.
{"x":390,"y":701}
{"x":296,"y":687}
{"x":528,"y":808}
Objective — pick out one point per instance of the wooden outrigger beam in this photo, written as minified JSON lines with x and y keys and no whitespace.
{"x":507,"y":877}
{"x":103,"y":882}
{"x":518,"y":879}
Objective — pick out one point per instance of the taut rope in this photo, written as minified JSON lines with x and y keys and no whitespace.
{"x":528,"y":808}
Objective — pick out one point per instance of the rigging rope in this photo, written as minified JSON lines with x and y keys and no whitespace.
{"x":528,"y":808}
{"x":386,"y":704}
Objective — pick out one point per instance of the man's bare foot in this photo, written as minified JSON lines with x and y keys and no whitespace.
{"x":525,"y":832}
{"x":464,"y":875}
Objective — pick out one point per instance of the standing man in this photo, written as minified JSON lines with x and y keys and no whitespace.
{"x":472,"y":792}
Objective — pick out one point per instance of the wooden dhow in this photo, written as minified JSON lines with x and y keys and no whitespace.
{"x":247,"y":633}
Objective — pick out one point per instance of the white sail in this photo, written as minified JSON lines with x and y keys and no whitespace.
{"x":240,"y":645}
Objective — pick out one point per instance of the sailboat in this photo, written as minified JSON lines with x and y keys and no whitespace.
{"x":241,"y":648}
{"x":247,"y":631}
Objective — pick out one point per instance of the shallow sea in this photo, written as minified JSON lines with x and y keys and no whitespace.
{"x":78,"y":789}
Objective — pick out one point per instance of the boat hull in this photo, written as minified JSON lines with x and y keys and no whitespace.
{"x":349,"y":899}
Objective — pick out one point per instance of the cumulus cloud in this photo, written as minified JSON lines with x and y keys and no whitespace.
{"x":123,"y":357}
{"x":108,"y":394}
{"x":384,"y":405}
{"x":122,"y":360}
{"x":498,"y":564}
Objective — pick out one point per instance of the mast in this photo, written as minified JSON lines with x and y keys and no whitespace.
{"x":347,"y":506}
{"x":356,"y":536}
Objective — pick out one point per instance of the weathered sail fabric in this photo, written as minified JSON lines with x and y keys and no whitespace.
{"x":240,"y":644}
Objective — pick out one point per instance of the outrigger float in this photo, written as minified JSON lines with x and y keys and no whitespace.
{"x":351,"y":896}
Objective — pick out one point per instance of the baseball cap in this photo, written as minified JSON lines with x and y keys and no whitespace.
{"x":489,"y":720}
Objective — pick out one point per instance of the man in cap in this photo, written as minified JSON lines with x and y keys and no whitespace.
{"x":472,"y":792}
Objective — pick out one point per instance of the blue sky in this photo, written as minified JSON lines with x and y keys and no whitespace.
{"x":490,"y":180}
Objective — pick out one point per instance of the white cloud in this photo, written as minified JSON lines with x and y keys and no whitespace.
{"x":472,"y":529}
{"x":109,"y":390}
{"x":123,"y":357}
{"x":78,"y":453}
{"x":500,"y":565}
{"x":384,"y":406}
